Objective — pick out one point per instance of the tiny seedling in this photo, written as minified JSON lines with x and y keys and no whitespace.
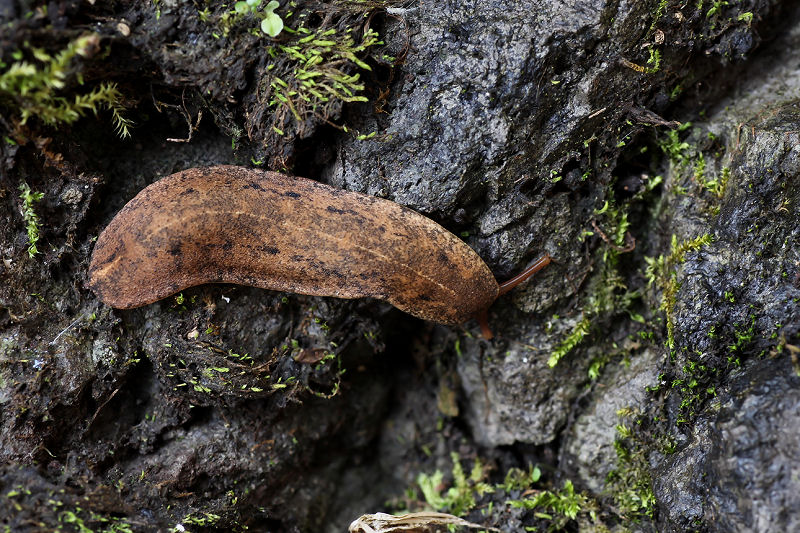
{"x":271,"y":22}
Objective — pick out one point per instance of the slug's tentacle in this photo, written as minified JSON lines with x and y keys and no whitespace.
{"x":539,"y":264}
{"x":483,"y":321}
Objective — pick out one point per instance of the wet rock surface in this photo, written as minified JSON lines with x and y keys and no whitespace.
{"x":589,"y":447}
{"x":646,"y":379}
{"x":738,"y":469}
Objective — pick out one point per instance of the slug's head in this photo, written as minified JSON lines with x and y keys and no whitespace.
{"x":482,"y":316}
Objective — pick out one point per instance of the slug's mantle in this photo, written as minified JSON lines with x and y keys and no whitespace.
{"x":230,"y":224}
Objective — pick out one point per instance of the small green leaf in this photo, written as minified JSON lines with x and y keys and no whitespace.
{"x":272,"y":23}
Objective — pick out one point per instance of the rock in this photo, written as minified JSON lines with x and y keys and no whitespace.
{"x":739,"y":468}
{"x":589,"y":445}
{"x":733,"y":394}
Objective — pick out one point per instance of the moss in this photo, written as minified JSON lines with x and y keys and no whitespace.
{"x":630,"y":484}
{"x":31,"y":90}
{"x":714,"y":184}
{"x":30,"y":217}
{"x":87,"y":521}
{"x":668,"y":301}
{"x":607,"y":295}
{"x":550,"y":509}
{"x":717,"y":186}
{"x":674,"y":147}
{"x":661,"y":8}
{"x":200,"y":365}
{"x":708,"y":176}
{"x":518,"y":479}
{"x":680,"y":249}
{"x":662,"y":272}
{"x":741,"y":340}
{"x":574,"y":338}
{"x":201,"y":519}
{"x":654,"y":61}
{"x":716,"y":6}
{"x":697,"y":379}
{"x":310,"y":71}
{"x":460,"y":498}
{"x":695,"y":386}
{"x":313,"y":74}
{"x":562,"y":505}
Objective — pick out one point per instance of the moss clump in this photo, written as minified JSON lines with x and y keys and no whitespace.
{"x":708,"y":178}
{"x":311,"y":77}
{"x":715,"y":185}
{"x":630,"y":484}
{"x":35,"y":90}
{"x":562,"y":505}
{"x":318,"y":75}
{"x":574,"y":338}
{"x":695,"y":386}
{"x":661,"y":8}
{"x":316,"y":66}
{"x":200,"y":519}
{"x":674,"y":147}
{"x":550,"y":509}
{"x":662,"y":273}
{"x":80,"y":520}
{"x":30,"y":217}
{"x":460,"y":498}
{"x":327,"y":54}
{"x":608,"y":294}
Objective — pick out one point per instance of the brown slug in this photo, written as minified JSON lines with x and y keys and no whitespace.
{"x":231,"y":224}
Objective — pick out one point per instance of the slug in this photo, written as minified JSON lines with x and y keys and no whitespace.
{"x":230,"y":224}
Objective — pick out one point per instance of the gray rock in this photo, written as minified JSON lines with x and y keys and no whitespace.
{"x":734,"y":391}
{"x":511,"y":393}
{"x":589,"y":447}
{"x":739,"y":469}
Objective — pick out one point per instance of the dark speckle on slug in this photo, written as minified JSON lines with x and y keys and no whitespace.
{"x":253,"y":185}
{"x":341,"y":211}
